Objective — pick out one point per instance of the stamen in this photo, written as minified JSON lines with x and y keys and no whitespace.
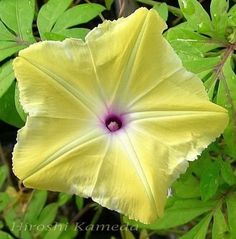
{"x":113,"y":122}
{"x":113,"y":126}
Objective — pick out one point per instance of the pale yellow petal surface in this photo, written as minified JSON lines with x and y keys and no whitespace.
{"x":181,"y":90}
{"x":125,"y":65}
{"x":136,"y":185}
{"x":122,"y":47}
{"x":178,"y":114}
{"x":43,"y":140}
{"x":57,"y":78}
{"x":184,"y":134}
{"x":123,"y":175}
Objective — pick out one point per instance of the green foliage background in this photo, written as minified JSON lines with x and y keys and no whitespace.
{"x":203,"y":200}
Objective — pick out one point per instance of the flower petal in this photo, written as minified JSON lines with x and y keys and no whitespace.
{"x":56,"y":79}
{"x":124,"y":64}
{"x":43,"y":140}
{"x":50,"y":151}
{"x":177,"y":113}
{"x":180,"y":90}
{"x":115,"y":171}
{"x":184,"y":134}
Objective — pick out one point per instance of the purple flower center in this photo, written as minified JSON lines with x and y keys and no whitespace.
{"x":113,"y":122}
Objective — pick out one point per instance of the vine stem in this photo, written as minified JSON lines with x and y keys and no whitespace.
{"x":219,"y":75}
{"x":229,"y":51}
{"x":94,"y":221}
{"x":81,"y":213}
{"x":174,"y":10}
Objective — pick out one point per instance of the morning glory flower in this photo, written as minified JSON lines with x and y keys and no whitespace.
{"x":115,"y":118}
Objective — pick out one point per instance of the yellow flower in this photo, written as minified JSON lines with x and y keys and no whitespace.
{"x":115,"y":118}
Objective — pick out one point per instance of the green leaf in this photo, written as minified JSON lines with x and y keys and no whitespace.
{"x":54,"y":20}
{"x":18,"y":16}
{"x":82,"y":13}
{"x":13,"y":223}
{"x":227,"y":173}
{"x":209,"y":180}
{"x":63,"y":199}
{"x":69,"y":233}
{"x":75,"y":32}
{"x":162,"y":9}
{"x":200,"y":230}
{"x":49,"y":13}
{"x":61,"y":231}
{"x":54,"y":36}
{"x":26,"y":234}
{"x":193,"y":48}
{"x":4,"y":200}
{"x":232,"y":16}
{"x":8,"y":48}
{"x":219,"y":17}
{"x":48,"y":214}
{"x":198,"y":166}
{"x":8,"y":112}
{"x":187,"y":187}
{"x":196,"y":16}
{"x":3,"y":174}
{"x":144,"y":234}
{"x":4,"y":235}
{"x":13,"y":214}
{"x":219,"y":225}
{"x":210,"y":85}
{"x":5,"y":34}
{"x":35,"y":206}
{"x":230,"y":139}
{"x":227,"y":99}
{"x":231,"y":34}
{"x":13,"y":218}
{"x":108,"y":4}
{"x":19,"y":108}
{"x":199,"y":64}
{"x":6,"y":77}
{"x":184,"y":38}
{"x":231,"y":211}
{"x":79,"y":202}
{"x":126,"y":234}
{"x":55,"y":232}
{"x":187,"y":208}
